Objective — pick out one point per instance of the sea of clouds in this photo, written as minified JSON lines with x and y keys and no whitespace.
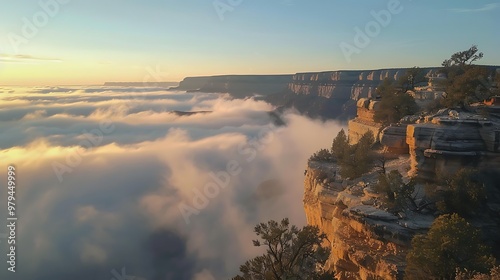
{"x":111,"y":184}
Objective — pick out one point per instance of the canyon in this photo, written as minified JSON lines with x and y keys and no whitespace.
{"x":327,"y":95}
{"x":331,"y":94}
{"x":369,"y":241}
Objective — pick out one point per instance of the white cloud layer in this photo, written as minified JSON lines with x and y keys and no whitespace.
{"x":127,"y":165}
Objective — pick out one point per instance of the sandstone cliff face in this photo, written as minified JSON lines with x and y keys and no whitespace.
{"x":331,"y":94}
{"x":342,"y":85}
{"x":394,"y":138}
{"x":364,"y":120}
{"x":366,"y":241}
{"x":324,"y":94}
{"x":447,"y":141}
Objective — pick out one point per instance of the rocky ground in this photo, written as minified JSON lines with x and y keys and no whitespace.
{"x":366,"y":240}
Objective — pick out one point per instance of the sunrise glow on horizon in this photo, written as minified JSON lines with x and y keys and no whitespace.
{"x":89,"y":42}
{"x":249,"y":139}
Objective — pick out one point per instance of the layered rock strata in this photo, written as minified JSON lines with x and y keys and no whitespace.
{"x":366,"y":241}
{"x":364,"y":120}
{"x":450,"y":140}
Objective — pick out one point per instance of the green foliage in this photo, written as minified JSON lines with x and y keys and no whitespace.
{"x":358,"y":159}
{"x":451,"y":244}
{"x":386,"y":87}
{"x":321,"y":155}
{"x":340,"y":146}
{"x":354,"y":160}
{"x":463,"y":194}
{"x":398,"y":192}
{"x":412,"y":77}
{"x":469,"y":87}
{"x":291,"y":253}
{"x":466,"y":83}
{"x":367,"y":139}
{"x":394,"y":104}
{"x":463,"y":58}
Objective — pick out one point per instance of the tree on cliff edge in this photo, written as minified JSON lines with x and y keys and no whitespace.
{"x":291,"y":253}
{"x":340,"y":146}
{"x":466,"y":83}
{"x":462,"y":193}
{"x":411,"y":78}
{"x":451,"y":244}
{"x":358,"y":158}
{"x":394,"y":104}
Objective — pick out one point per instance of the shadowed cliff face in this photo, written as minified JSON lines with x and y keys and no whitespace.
{"x":329,"y":95}
{"x":239,"y":86}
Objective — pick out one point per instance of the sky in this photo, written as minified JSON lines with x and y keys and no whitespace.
{"x":109,"y":179}
{"x":75,"y":42}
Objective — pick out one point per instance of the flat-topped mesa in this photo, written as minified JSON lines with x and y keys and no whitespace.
{"x":237,"y":85}
{"x":364,"y":121}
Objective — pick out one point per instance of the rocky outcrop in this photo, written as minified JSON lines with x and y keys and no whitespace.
{"x":369,"y":241}
{"x":366,"y":241}
{"x":449,"y":140}
{"x":393,"y":138}
{"x":364,"y":121}
{"x":357,"y":128}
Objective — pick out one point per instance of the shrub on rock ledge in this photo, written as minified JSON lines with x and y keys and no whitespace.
{"x":451,"y":244}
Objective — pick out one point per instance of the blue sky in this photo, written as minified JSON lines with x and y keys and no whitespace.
{"x":90,"y":42}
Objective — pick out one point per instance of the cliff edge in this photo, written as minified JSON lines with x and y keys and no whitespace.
{"x":367,"y":242}
{"x":369,"y":238}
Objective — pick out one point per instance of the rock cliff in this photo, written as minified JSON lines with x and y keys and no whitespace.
{"x":344,"y":85}
{"x":330,"y":94}
{"x":364,"y":120}
{"x":368,"y":238}
{"x":237,"y":85}
{"x":366,"y":241}
{"x":448,"y":140}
